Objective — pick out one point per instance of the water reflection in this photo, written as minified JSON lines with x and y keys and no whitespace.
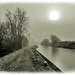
{"x":61,"y":57}
{"x":45,"y":47}
{"x":54,"y":51}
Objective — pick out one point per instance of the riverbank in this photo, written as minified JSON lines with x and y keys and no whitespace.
{"x":26,"y":59}
{"x":55,"y":68}
{"x":65,"y":44}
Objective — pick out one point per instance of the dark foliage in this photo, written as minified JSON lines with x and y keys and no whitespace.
{"x":66,"y":44}
{"x":45,"y":42}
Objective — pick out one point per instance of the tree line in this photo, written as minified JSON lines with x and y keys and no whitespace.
{"x":52,"y":42}
{"x":14,"y":31}
{"x":58,"y":43}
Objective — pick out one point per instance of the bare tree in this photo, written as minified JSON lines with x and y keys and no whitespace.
{"x":54,"y":40}
{"x":2,"y":33}
{"x":18,"y":26}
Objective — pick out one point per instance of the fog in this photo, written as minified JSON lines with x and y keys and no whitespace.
{"x":40,"y":25}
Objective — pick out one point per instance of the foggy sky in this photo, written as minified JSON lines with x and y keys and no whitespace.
{"x":41,"y":26}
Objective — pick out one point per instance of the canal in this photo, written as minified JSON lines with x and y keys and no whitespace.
{"x":64,"y":59}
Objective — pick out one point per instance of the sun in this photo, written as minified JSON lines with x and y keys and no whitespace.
{"x":54,"y":15}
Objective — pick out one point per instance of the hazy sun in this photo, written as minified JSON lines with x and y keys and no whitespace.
{"x":54,"y":15}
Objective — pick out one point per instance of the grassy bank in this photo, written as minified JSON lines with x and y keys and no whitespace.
{"x":26,"y":59}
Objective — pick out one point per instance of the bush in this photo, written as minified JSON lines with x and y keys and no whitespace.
{"x":25,"y":42}
{"x":45,"y":42}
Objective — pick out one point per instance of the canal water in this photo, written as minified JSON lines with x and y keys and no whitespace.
{"x":64,"y":59}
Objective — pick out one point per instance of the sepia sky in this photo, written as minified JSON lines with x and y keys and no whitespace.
{"x":41,"y":26}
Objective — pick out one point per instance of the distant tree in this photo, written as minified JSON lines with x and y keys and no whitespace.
{"x":45,"y":42}
{"x":54,"y":40}
{"x":25,"y":41}
{"x":18,"y":26}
